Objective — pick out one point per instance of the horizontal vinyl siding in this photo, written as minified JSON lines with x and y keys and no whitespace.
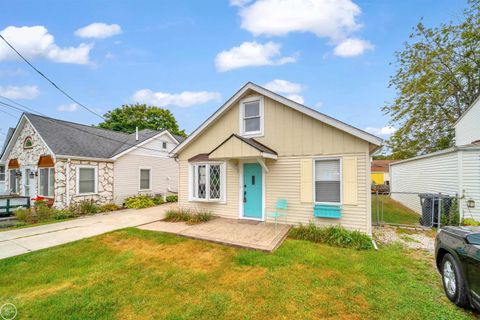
{"x":466,"y":130}
{"x":127,"y":174}
{"x":283,"y":181}
{"x":436,"y":174}
{"x":470,"y":183}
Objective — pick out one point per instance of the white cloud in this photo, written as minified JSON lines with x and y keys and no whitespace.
{"x":251,"y":54}
{"x":296,"y":97}
{"x":23,"y":92}
{"x":352,"y":47}
{"x":318,"y":105}
{"x":283,"y":86}
{"x":99,"y":30}
{"x":239,"y":3}
{"x":36,"y":42}
{"x":183,"y":99}
{"x":333,"y":19}
{"x":68,"y":107}
{"x":385,"y":131}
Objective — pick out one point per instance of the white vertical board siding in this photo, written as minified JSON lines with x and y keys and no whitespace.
{"x":470,"y":183}
{"x":436,"y":174}
{"x":467,"y":130}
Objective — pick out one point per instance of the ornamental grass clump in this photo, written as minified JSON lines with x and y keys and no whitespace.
{"x":332,"y":235}
{"x":188,"y":216}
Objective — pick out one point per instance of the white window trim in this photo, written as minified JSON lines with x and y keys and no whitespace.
{"x":341,"y":180}
{"x":262,"y":118}
{"x":77,"y":178}
{"x":223,"y":182}
{"x":164,"y":145}
{"x":140,"y":178}
{"x":49,"y":177}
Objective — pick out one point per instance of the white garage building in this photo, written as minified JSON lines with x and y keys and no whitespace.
{"x":452,"y":171}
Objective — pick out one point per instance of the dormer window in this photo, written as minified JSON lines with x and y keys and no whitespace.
{"x":28,"y":143}
{"x":251,"y":116}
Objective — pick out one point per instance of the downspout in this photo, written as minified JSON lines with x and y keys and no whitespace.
{"x":67,"y":183}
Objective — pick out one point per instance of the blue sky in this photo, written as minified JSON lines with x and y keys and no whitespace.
{"x":190,"y":56}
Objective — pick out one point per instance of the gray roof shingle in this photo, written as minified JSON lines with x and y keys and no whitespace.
{"x":78,"y":140}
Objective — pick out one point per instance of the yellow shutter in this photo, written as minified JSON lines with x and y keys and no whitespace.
{"x":350,"y":185}
{"x":306,"y":180}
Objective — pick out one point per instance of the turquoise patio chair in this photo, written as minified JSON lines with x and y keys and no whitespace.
{"x":280,"y":212}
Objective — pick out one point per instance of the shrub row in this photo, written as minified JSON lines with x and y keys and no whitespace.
{"x":332,"y":235}
{"x":146,"y":201}
{"x":188,"y":216}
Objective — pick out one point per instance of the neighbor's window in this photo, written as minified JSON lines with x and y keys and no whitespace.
{"x":46,"y":181}
{"x":2,"y":173}
{"x":207,"y":182}
{"x":164,"y":145}
{"x":86,"y":180}
{"x":145,"y":179}
{"x":327,"y":181}
{"x":28,"y":143}
{"x":251,"y":112}
{"x":14,"y":180}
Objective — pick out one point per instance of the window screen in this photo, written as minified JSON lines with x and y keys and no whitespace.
{"x":251,"y":116}
{"x":144,"y":179}
{"x":327,"y":181}
{"x":86,"y":180}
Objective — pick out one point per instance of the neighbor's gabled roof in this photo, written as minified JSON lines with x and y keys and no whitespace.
{"x":65,"y":138}
{"x":290,"y":103}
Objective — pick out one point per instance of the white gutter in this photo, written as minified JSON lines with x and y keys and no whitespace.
{"x":61,"y":156}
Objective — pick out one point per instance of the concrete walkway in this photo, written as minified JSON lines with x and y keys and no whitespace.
{"x":240,"y":233}
{"x":16,"y":242}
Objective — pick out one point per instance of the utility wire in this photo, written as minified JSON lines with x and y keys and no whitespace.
{"x":60,"y":122}
{"x":50,"y":81}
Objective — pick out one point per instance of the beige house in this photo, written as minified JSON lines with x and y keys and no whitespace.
{"x":68,"y":162}
{"x":260,"y":147}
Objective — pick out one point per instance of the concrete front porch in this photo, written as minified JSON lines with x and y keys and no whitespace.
{"x":239,"y":233}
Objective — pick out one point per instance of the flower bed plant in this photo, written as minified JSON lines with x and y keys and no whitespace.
{"x":187,"y":215}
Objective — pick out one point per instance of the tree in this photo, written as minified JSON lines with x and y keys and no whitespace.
{"x":437,"y":79}
{"x":127,"y":117}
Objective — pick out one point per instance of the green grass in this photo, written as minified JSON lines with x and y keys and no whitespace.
{"x":134,"y":274}
{"x":393,"y":211}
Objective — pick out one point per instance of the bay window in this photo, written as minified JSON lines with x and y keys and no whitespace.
{"x":46,"y":182}
{"x":207,"y":182}
{"x":327,"y":178}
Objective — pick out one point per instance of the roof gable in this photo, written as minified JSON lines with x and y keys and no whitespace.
{"x":287,"y":102}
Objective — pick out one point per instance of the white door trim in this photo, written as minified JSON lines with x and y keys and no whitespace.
{"x":240,"y":194}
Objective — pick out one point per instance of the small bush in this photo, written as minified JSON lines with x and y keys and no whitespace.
{"x":333,"y":235}
{"x":158,"y":200}
{"x":24,"y":215}
{"x":62,"y":214}
{"x":108,"y":207}
{"x":138,"y":202}
{"x":84,"y":207}
{"x":188,"y":216}
{"x":42,"y":211}
{"x":172,"y":198}
{"x":470,"y":222}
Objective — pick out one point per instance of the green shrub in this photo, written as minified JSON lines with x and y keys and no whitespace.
{"x":61,"y":214}
{"x":84,"y":207}
{"x":188,"y":216}
{"x":158,"y":200}
{"x":24,"y":215}
{"x":332,"y":235}
{"x":138,"y":202}
{"x":172,"y":198}
{"x":108,"y":207}
{"x":470,"y":222}
{"x":42,"y":211}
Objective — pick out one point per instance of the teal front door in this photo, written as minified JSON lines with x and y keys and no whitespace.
{"x":252,"y":190}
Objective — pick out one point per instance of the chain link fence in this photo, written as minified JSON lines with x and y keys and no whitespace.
{"x":427,"y":210}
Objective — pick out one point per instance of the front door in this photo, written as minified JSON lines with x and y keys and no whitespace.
{"x":252,"y":191}
{"x":29,"y":183}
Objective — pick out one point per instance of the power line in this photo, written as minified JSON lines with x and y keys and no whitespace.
{"x":60,"y":122}
{"x":50,"y":81}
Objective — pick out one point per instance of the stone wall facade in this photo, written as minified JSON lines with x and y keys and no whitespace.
{"x":105,"y":182}
{"x":26,"y":157}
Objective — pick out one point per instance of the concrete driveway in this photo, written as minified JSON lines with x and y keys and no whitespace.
{"x":16,"y":242}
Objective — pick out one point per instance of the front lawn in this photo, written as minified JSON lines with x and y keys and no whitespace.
{"x":393,"y":211}
{"x":135,"y":274}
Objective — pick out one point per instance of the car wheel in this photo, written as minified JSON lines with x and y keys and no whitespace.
{"x":453,"y":282}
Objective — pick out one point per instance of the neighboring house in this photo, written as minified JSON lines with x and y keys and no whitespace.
{"x":69,"y":162}
{"x":260,"y":147}
{"x":453,"y":171}
{"x":380,"y":171}
{"x":3,"y":168}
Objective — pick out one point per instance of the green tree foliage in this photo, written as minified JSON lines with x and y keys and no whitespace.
{"x":437,"y":79}
{"x":127,"y":117}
